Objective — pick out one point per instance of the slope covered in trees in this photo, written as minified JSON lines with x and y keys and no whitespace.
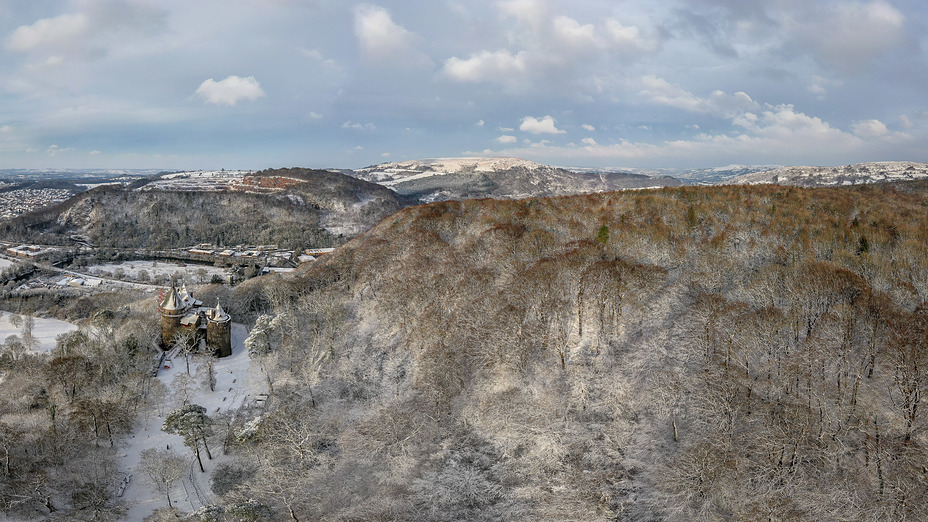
{"x":686,"y":353}
{"x":314,"y":209}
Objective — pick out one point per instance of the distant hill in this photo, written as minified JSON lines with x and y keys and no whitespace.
{"x":861,"y":173}
{"x":504,"y":178}
{"x":289,"y":207}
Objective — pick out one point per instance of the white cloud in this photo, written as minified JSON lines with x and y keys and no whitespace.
{"x":628,"y":40}
{"x":569,"y":32}
{"x":315,"y":115}
{"x":62,"y":30}
{"x":95,"y":152}
{"x":588,"y":127}
{"x":545,"y":125}
{"x":819,"y":85}
{"x":359,"y":126}
{"x":382,"y":39}
{"x":531,"y":12}
{"x":505,"y":138}
{"x":506,"y":129}
{"x":54,"y":150}
{"x":230,"y":90}
{"x":719,"y":103}
{"x":870,"y":129}
{"x":774,"y":133}
{"x":486,"y":66}
{"x":905,"y":122}
{"x":480,"y":123}
{"x":384,"y":154}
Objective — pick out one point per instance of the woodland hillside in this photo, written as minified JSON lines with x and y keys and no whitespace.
{"x":313,"y":208}
{"x":687,"y":353}
{"x":690,"y":353}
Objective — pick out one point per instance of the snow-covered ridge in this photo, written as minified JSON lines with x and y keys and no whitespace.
{"x":389,"y":174}
{"x":860,"y":173}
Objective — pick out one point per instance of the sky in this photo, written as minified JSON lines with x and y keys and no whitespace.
{"x":253,"y":84}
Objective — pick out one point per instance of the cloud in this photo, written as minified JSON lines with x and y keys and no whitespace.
{"x":870,"y":129}
{"x":54,"y":150}
{"x":315,"y":115}
{"x":774,"y":133}
{"x":819,"y":85}
{"x":530,"y":12}
{"x":588,"y":127}
{"x":848,"y":36}
{"x":545,"y":125}
{"x":579,"y":37}
{"x":358,"y":126}
{"x":380,"y":38}
{"x":628,"y":40}
{"x":91,"y":33}
{"x":486,"y":66}
{"x":505,"y":138}
{"x":230,"y":90}
{"x":719,"y":103}
{"x":60,"y":31}
{"x":94,"y":152}
{"x":480,"y":123}
{"x":589,"y":141}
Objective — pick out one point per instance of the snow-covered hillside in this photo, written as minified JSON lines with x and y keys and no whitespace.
{"x":393,"y":173}
{"x":860,"y":173}
{"x":463,"y":178}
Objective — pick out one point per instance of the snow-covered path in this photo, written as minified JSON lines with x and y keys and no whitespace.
{"x":236,"y":385}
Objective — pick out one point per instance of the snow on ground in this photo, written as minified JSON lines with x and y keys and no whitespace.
{"x":190,"y":272}
{"x":45,"y":330}
{"x":6,"y":263}
{"x":237,"y":385}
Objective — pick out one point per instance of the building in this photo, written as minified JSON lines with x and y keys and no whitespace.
{"x":185,"y":319}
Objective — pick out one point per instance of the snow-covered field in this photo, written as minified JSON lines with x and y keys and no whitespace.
{"x":212,"y":180}
{"x":190,"y":273}
{"x":5,"y":263}
{"x":237,"y":385}
{"x":45,"y":330}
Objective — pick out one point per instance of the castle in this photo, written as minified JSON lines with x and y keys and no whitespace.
{"x":183,"y":317}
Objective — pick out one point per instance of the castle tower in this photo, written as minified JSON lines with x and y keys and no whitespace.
{"x":172,"y":310}
{"x":219,"y":332}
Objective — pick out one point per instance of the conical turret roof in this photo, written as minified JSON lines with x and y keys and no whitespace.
{"x":219,"y":315}
{"x":172,"y":302}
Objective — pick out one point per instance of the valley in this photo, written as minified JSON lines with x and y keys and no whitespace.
{"x":682,"y":352}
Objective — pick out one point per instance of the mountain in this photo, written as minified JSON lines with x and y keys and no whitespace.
{"x":702,"y":176}
{"x":290,"y":207}
{"x":504,"y":178}
{"x":719,"y":175}
{"x":856,"y":174}
{"x":694,"y":353}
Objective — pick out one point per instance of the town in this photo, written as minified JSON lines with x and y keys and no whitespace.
{"x":18,"y":202}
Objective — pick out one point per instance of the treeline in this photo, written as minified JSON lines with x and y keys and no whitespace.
{"x":685,"y":353}
{"x":314,"y":213}
{"x":118,"y":218}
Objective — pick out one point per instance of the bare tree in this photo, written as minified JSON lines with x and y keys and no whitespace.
{"x":163,"y":468}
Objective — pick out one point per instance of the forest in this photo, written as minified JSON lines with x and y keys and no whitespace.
{"x":686,"y":353}
{"x":320,"y":209}
{"x":734,"y":352}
